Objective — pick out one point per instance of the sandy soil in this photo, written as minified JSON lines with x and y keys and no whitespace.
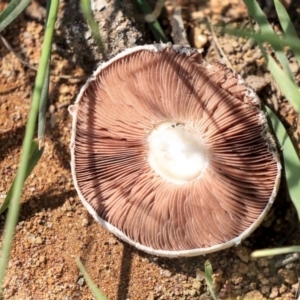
{"x":54,"y":227}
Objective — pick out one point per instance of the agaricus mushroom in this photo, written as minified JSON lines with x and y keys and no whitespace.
{"x":172,"y":155}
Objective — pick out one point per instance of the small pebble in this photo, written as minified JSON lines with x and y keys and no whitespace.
{"x":166,"y":273}
{"x":51,"y":109}
{"x":263,"y":262}
{"x":84,"y":222}
{"x":192,"y":292}
{"x":228,"y":48}
{"x":254,"y":295}
{"x":31,"y":237}
{"x":196,"y":284}
{"x":283,"y":288}
{"x":257,"y":83}
{"x":64,"y":89}
{"x":99,"y":5}
{"x":274,"y":292}
{"x":151,"y":296}
{"x":243,"y":254}
{"x":42,"y":258}
{"x":294,"y":67}
{"x":253,"y":285}
{"x":200,"y":275}
{"x":38,"y":240}
{"x":112,"y":241}
{"x":264,"y":281}
{"x":289,"y":276}
{"x":265,"y":289}
{"x":234,"y":44}
{"x":50,"y":280}
{"x":53,"y":119}
{"x":80,"y":281}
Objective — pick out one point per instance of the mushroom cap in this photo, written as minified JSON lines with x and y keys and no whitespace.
{"x":114,"y":117}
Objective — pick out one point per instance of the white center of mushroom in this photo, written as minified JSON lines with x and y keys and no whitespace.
{"x":176,"y":152}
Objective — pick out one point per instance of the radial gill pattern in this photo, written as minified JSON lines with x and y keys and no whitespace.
{"x":114,"y":116}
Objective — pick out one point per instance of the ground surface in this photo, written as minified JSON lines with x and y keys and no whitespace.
{"x":54,"y":227}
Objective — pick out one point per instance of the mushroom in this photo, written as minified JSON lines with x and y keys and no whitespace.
{"x":171,"y":154}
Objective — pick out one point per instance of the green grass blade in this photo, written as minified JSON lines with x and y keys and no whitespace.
{"x":259,"y":16}
{"x":9,"y":9}
{"x":11,"y":12}
{"x":87,"y":12}
{"x":154,"y":25}
{"x":42,"y":107}
{"x":94,"y":289}
{"x":209,"y":279}
{"x":285,"y":84}
{"x":262,"y":37}
{"x":35,"y":155}
{"x":44,"y":98}
{"x":291,"y":160}
{"x":287,"y":26}
{"x":13,"y":212}
{"x":275,"y":251}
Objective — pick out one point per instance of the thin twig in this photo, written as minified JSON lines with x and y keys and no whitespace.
{"x":10,"y":48}
{"x":151,"y":19}
{"x":297,"y":295}
{"x":156,"y":12}
{"x":288,"y":260}
{"x":218,"y":48}
{"x":178,"y":31}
